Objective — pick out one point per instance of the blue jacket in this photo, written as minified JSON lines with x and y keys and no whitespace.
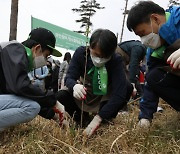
{"x":116,"y":77}
{"x":170,"y":31}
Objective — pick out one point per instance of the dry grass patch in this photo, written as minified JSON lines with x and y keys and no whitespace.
{"x":121,"y":136}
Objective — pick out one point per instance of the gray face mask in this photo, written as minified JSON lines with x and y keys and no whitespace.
{"x":151,"y":40}
{"x":39,"y":61}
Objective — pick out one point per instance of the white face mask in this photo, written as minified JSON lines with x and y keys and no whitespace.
{"x":99,"y":62}
{"x":151,"y":40}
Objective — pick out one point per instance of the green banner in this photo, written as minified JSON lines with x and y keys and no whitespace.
{"x":64,"y":38}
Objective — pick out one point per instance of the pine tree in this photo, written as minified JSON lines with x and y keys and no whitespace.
{"x":174,"y":2}
{"x":86,"y":10}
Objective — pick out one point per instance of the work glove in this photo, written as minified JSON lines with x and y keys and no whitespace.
{"x":79,"y":91}
{"x":93,"y":126}
{"x":60,"y":114}
{"x":174,"y":59}
{"x":134,"y":92}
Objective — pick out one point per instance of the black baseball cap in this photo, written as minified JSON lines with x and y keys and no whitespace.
{"x":45,"y":38}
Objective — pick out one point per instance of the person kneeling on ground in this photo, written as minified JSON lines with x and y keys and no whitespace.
{"x":20,"y":100}
{"x":106,"y":90}
{"x":158,"y":29}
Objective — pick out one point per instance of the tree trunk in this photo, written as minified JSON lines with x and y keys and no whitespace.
{"x":13,"y":20}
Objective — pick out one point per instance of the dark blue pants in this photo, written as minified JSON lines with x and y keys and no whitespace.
{"x":159,"y":84}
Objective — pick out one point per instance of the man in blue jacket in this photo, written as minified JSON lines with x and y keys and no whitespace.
{"x":158,"y":30}
{"x":105,"y":90}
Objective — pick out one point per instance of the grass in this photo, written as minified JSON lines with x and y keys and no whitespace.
{"x":121,"y":137}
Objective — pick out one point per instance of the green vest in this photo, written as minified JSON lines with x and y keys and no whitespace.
{"x":30,"y":58}
{"x":99,"y":78}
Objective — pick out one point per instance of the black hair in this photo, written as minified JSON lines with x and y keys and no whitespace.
{"x":106,"y":41}
{"x":67,"y":57}
{"x":31,"y":43}
{"x":141,"y":12}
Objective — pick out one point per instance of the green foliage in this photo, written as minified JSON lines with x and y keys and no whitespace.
{"x":86,"y":10}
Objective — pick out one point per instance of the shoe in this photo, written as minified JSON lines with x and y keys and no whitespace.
{"x":124,"y":110}
{"x":159,"y":109}
{"x":144,"y":123}
{"x":123,"y":113}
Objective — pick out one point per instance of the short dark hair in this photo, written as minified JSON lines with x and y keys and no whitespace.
{"x":106,"y":41}
{"x":141,"y":12}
